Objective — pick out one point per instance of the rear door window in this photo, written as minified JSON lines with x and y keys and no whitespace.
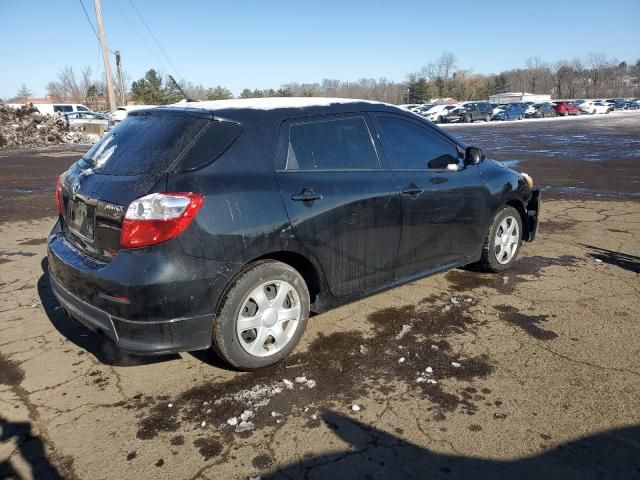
{"x":160,"y":142}
{"x":414,"y":147}
{"x":331,"y":144}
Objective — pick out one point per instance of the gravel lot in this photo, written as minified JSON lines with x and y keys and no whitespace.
{"x":530,"y":374}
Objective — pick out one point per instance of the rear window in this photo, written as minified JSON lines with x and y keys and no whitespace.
{"x":340,"y":143}
{"x":160,"y":142}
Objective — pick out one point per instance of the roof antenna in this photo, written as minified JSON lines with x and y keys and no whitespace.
{"x":184,"y":95}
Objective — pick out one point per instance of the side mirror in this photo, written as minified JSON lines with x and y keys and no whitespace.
{"x":473,"y":156}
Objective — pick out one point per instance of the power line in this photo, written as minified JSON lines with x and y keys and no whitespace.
{"x":86,"y":14}
{"x":137,"y":31}
{"x":155,"y":39}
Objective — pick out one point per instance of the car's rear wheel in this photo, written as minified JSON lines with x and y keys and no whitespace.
{"x":262,"y":315}
{"x":467,"y":119}
{"x":487,"y":118}
{"x":565,"y":113}
{"x":503,"y":241}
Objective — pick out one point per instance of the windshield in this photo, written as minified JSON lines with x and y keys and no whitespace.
{"x":156,"y":143}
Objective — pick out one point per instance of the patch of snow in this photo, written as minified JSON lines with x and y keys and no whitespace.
{"x":363,"y":349}
{"x":301,"y":379}
{"x":233,"y":421}
{"x":288,"y":384}
{"x":270,"y":103}
{"x":276,"y":414}
{"x":203,"y":424}
{"x":246,"y":415}
{"x":435,"y":347}
{"x":170,"y":405}
{"x":245,"y":426}
{"x":314,"y":417}
{"x":403,"y":331}
{"x":401,"y":360}
{"x":311,"y":383}
{"x":455,"y":365}
{"x":355,"y":408}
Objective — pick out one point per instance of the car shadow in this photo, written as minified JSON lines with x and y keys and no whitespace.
{"x":95,"y":343}
{"x":29,"y":447}
{"x":619,"y":259}
{"x":377,"y":454}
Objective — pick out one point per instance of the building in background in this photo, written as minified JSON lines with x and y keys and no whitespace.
{"x":511,"y":97}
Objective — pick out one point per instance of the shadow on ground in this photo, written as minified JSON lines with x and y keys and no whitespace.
{"x":95,"y":343}
{"x":377,"y":454}
{"x":31,"y":450}
{"x":619,"y":259}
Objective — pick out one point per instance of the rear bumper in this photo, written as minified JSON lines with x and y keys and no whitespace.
{"x":533,"y":213}
{"x":148,"y":301}
{"x":138,"y":337}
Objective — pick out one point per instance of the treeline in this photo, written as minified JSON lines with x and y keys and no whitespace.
{"x":595,"y":76}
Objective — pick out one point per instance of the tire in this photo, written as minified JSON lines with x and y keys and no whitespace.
{"x":489,"y":262}
{"x":519,"y":117}
{"x":565,"y":113}
{"x":467,"y":119}
{"x":487,"y":118}
{"x":232,"y":345}
{"x":439,"y":120}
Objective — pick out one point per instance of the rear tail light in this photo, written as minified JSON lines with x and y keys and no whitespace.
{"x":59,"y":195}
{"x":158,"y":217}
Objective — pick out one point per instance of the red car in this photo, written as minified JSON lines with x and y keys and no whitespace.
{"x":566,"y":108}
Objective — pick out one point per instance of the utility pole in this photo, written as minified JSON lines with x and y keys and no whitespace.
{"x":105,"y":56}
{"x":123,"y":94}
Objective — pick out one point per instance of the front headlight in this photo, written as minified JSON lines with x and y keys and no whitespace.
{"x":528,"y":179}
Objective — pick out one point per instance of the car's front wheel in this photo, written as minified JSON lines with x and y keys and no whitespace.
{"x":503,"y":241}
{"x":261,"y":316}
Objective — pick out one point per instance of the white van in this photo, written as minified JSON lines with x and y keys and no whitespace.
{"x":55,"y":108}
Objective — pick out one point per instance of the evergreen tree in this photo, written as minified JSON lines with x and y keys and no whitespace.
{"x":419,"y":90}
{"x":246,"y":93}
{"x":219,"y":93}
{"x":149,"y":89}
{"x":24,"y":93}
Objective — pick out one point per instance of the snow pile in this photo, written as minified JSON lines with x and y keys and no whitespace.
{"x":26,"y":127}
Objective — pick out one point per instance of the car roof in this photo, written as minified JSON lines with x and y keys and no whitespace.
{"x":281,"y":108}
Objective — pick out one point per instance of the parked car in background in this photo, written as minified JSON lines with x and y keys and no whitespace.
{"x":473,"y":111}
{"x":595,"y":106}
{"x":82,"y":118}
{"x":617,"y":103}
{"x":437,"y":113}
{"x":513,"y":111}
{"x":540,"y":110}
{"x":453,"y":115}
{"x":422,"y":109}
{"x":159,"y":245}
{"x":566,"y":108}
{"x":632,"y":105}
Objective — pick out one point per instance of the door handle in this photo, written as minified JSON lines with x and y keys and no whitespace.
{"x":412,"y":189}
{"x":306,"y":195}
{"x":438,"y":180}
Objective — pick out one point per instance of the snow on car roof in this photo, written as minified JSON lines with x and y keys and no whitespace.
{"x":270,"y":103}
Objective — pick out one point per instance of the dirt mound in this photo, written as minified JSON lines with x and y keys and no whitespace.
{"x":26,"y":127}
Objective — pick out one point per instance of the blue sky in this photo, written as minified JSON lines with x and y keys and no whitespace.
{"x":263,"y":44}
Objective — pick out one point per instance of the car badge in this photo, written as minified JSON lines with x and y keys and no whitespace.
{"x":75,"y":186}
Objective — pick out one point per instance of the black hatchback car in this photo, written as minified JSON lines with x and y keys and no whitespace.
{"x":224,"y":223}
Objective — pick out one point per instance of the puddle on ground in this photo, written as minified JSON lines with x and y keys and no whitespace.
{"x":10,"y":373}
{"x":406,"y":345}
{"x":464,"y":280}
